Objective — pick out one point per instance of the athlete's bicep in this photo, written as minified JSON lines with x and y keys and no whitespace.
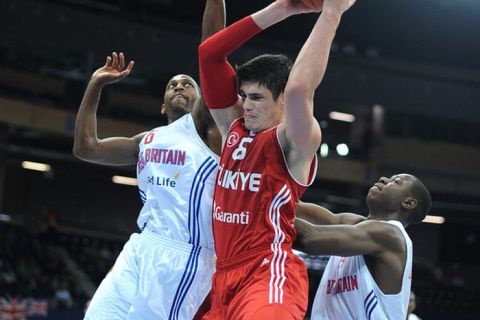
{"x":115,"y":151}
{"x":302,"y":130}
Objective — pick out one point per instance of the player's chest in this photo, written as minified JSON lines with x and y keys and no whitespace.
{"x":246,"y":152}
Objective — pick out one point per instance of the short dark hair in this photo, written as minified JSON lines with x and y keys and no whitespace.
{"x":424,"y":201}
{"x":269,"y":70}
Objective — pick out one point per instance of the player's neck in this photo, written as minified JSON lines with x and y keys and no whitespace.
{"x":386,"y":216}
{"x":381,"y":215}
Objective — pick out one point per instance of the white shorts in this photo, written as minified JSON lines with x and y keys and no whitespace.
{"x":154,"y":278}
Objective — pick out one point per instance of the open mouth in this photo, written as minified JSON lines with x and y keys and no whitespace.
{"x":377,"y":186}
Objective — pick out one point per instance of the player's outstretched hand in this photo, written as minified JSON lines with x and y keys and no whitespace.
{"x":113,"y":71}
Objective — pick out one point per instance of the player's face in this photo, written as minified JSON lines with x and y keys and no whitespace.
{"x":390,"y":192}
{"x":260,"y":111}
{"x":181,"y":94}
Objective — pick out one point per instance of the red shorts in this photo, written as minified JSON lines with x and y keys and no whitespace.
{"x":260,"y":284}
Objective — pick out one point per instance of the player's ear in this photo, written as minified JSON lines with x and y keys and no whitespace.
{"x":409,"y":203}
{"x":163,"y":110}
{"x":281,"y":98}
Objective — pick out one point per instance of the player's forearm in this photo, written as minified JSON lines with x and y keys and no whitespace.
{"x":221,"y":44}
{"x":311,"y":63}
{"x":217,"y":76}
{"x":213,"y":18}
{"x":315,"y":239}
{"x":315,"y":214}
{"x":271,"y":15}
{"x":212,"y":22}
{"x":85,"y":136}
{"x":224,"y":42}
{"x":307,"y":73}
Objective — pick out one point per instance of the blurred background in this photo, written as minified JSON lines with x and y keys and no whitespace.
{"x":401,"y":94}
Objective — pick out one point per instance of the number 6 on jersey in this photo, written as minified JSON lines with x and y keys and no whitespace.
{"x":241,"y":151}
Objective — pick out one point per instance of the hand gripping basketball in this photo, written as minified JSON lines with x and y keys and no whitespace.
{"x":316,"y":5}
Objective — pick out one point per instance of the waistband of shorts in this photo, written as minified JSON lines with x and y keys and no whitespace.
{"x":175,"y":245}
{"x":248,"y":256}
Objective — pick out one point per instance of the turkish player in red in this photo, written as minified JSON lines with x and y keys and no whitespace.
{"x":268,"y":159}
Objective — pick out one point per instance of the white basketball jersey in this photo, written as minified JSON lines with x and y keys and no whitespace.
{"x":348,"y":291}
{"x":176,"y":176}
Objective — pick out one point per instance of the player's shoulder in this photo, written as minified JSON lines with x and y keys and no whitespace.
{"x":381,"y":231}
{"x":380,"y":226}
{"x":238,"y":124}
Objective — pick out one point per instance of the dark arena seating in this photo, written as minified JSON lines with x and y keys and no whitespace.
{"x":53,"y":270}
{"x":48,"y":269}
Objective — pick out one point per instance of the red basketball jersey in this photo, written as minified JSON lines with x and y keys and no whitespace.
{"x":255,"y":194}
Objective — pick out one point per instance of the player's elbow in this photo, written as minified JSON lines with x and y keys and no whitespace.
{"x":83,"y":150}
{"x":299,"y":243}
{"x":307,"y":243}
{"x":303,"y":234}
{"x":298,"y":93}
{"x":205,"y":53}
{"x":301,"y":211}
{"x":79,"y":152}
{"x":207,"y":61}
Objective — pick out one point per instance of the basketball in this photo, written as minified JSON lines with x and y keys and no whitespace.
{"x":313,"y":4}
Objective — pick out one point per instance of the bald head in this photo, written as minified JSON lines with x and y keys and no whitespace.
{"x":181,"y":94}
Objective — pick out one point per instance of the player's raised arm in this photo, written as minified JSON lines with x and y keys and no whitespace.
{"x":213,"y":18}
{"x":87,"y":146}
{"x":302,"y":130}
{"x":217,"y":76}
{"x":212,"y":22}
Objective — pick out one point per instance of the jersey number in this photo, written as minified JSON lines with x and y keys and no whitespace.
{"x":241,"y":151}
{"x":149,"y":137}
